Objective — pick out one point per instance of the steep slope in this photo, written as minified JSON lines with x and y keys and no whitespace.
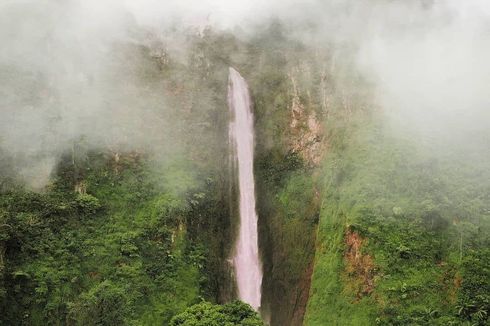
{"x":403,"y":233}
{"x":126,"y":232}
{"x":360,"y":220}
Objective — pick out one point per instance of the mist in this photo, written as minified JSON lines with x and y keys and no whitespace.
{"x":151,"y":151}
{"x":430,"y":66}
{"x":425,"y":60}
{"x":68,"y":68}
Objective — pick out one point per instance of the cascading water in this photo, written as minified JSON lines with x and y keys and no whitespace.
{"x":246,"y":261}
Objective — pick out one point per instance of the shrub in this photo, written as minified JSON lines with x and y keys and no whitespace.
{"x":87,"y":204}
{"x":205,"y":313}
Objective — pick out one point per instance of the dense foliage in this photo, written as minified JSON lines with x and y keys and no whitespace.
{"x":118,"y":251}
{"x":207,"y":314}
{"x":422,"y":237}
{"x":389,"y":229}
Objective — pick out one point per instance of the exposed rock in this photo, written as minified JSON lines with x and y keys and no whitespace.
{"x":457,"y":281}
{"x":81,"y":187}
{"x":120,"y":160}
{"x":359,"y":267}
{"x":306,"y":131}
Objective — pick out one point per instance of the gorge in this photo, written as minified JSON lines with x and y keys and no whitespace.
{"x":318,"y":163}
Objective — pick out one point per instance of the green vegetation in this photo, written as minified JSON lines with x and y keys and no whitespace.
{"x":207,"y":314}
{"x":390,"y":230}
{"x":403,"y":218}
{"x":286,"y":191}
{"x":127,"y":237}
{"x":422,"y":224}
{"x":116,"y":253}
{"x":289,"y":209}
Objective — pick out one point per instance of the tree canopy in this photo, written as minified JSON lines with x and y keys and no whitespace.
{"x":208,"y":314}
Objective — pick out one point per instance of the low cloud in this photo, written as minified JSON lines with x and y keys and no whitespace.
{"x":66,"y":71}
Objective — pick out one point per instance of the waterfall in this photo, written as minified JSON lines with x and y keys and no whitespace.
{"x":246,"y":261}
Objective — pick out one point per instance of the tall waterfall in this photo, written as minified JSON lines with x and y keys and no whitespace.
{"x":246,"y":261}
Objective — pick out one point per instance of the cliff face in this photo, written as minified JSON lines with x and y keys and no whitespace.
{"x":306,"y":131}
{"x":124,"y":234}
{"x":357,"y":225}
{"x":288,"y":206}
{"x":385,"y":247}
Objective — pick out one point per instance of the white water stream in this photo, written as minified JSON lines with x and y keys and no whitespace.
{"x":246,"y":261}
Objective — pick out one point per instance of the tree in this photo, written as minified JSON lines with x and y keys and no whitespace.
{"x":104,"y":304}
{"x":208,"y":314}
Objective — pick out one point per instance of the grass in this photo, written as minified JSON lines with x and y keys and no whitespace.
{"x":410,"y":207}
